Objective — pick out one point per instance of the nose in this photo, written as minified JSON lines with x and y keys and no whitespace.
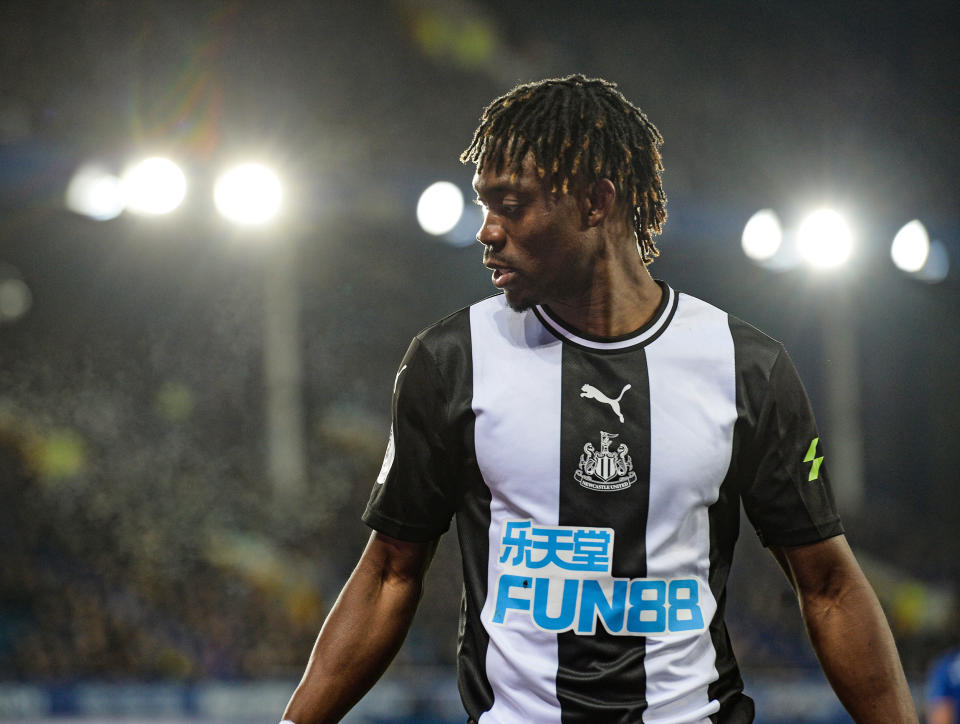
{"x":490,"y":233}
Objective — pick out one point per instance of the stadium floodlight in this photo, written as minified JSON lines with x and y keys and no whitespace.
{"x":249,"y":194}
{"x":96,"y":193}
{"x":911,"y":247}
{"x":440,"y":208}
{"x":824,"y":239}
{"x":762,"y":236}
{"x":154,"y":186}
{"x":937,"y":265}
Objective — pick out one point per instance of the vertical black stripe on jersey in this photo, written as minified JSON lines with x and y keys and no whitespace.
{"x":735,"y":706}
{"x":472,"y":513}
{"x":601,"y":677}
{"x":472,"y":637}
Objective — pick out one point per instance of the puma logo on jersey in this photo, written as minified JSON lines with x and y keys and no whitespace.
{"x":592,"y":393}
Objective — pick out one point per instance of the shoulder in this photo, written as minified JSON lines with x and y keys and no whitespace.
{"x":448,"y":342}
{"x":755,"y":350}
{"x":455,"y":327}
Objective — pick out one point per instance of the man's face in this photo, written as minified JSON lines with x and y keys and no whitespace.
{"x":533,"y":240}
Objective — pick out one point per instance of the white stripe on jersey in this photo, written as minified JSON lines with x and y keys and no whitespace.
{"x":689,"y":409}
{"x":516,"y":365}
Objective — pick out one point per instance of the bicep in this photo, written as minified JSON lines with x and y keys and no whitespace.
{"x":397,"y":561}
{"x":821,"y":570}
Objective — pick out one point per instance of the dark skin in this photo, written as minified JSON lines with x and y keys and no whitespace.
{"x":350,"y":654}
{"x":577,"y":254}
{"x":848,"y":630}
{"x":571,"y":252}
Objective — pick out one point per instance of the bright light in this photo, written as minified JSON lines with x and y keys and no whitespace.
{"x":154,"y":186}
{"x":911,"y":247}
{"x":937,"y":266}
{"x":249,"y":194}
{"x":95,"y":193}
{"x":824,"y":240}
{"x":440,"y":208}
{"x":762,"y":236}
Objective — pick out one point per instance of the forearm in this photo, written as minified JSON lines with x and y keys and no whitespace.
{"x":856,"y":650}
{"x":361,"y":635}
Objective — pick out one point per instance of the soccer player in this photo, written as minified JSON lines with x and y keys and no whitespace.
{"x":594,"y":432}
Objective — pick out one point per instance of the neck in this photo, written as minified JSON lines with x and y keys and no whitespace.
{"x":619,"y":298}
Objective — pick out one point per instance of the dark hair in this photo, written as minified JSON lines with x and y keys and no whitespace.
{"x":579,"y":130}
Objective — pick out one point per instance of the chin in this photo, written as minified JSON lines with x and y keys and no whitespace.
{"x":518,"y":303}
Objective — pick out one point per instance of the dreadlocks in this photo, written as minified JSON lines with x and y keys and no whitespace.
{"x":579,"y":130}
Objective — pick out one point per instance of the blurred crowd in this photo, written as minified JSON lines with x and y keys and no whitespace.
{"x":139,"y":538}
{"x":139,"y":535}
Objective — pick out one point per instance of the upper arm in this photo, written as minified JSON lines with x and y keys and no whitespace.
{"x":821,"y":570}
{"x":395,"y":560}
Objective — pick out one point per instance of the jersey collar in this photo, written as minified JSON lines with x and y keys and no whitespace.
{"x":643,"y":336}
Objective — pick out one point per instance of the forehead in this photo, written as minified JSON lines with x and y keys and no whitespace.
{"x":494,"y":180}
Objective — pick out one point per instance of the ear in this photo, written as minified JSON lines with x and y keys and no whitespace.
{"x":599,"y":200}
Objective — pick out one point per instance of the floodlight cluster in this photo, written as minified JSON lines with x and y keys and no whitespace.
{"x":825,"y":241}
{"x":247,"y":194}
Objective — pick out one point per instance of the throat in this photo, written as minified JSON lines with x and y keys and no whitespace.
{"x":611,"y":315}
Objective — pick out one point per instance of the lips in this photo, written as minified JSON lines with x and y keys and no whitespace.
{"x":502,"y":276}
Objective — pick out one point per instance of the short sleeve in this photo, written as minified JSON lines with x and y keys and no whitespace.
{"x":787,"y":494}
{"x":413,"y":497}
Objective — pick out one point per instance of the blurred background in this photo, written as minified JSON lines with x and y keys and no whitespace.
{"x":195,"y":385}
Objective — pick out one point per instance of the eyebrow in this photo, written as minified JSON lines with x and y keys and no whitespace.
{"x":500,"y":187}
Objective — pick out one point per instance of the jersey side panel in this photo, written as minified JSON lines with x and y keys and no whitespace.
{"x":430,"y":470}
{"x":516,"y":403}
{"x":692,"y":417}
{"x":455,"y":368}
{"x":735,"y":706}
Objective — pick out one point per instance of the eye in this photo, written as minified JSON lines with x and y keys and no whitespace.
{"x":500,"y":207}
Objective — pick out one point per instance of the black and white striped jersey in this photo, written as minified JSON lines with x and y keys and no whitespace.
{"x":596,"y":485}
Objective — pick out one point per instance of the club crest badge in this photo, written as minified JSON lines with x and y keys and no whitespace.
{"x":604,"y":470}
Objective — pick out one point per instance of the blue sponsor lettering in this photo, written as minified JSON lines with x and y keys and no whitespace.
{"x":685,"y":613}
{"x":505,"y":601}
{"x":593,"y":601}
{"x":648,"y":614}
{"x":633,"y":607}
{"x":556,"y":547}
{"x":568,"y":605}
{"x":559,"y":578}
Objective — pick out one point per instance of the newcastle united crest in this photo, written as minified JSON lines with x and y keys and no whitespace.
{"x":605,"y":470}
